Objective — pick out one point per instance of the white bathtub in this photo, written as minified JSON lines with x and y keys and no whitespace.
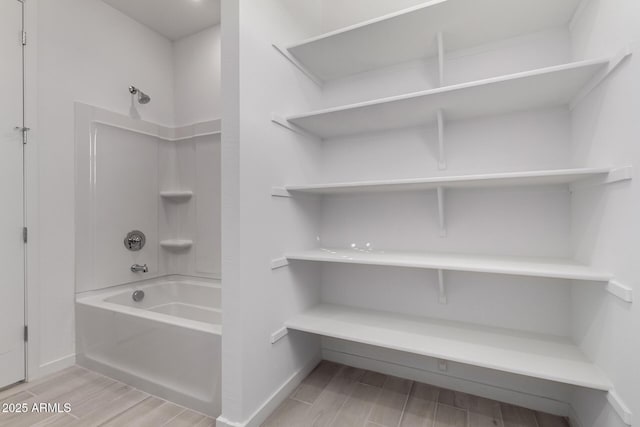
{"x":167,"y":344}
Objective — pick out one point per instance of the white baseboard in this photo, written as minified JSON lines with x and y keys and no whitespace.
{"x":270,"y":405}
{"x":488,"y":391}
{"x":223,"y":422}
{"x":54,"y":366}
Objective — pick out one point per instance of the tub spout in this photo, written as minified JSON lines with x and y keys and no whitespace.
{"x":137,"y":268}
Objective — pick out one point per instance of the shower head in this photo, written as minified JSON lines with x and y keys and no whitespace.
{"x":143,"y":98}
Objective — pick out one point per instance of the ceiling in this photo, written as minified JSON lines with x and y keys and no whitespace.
{"x":173,"y":19}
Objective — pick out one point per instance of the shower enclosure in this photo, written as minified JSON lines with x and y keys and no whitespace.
{"x":148,"y":306}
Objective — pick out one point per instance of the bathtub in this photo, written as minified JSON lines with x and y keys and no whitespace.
{"x":167,"y":344}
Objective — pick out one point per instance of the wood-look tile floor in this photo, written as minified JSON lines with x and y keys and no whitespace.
{"x":95,"y":400}
{"x":339,"y":396}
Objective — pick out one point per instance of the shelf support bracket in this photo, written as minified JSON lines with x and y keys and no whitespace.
{"x":442,"y":298}
{"x":442,"y":160}
{"x":440,"y":42}
{"x":280,"y":192}
{"x":621,"y":291}
{"x":284,"y":52}
{"x":443,"y":227}
{"x":615,"y":62}
{"x":615,"y":175}
{"x":281,"y":121}
{"x":279,"y":263}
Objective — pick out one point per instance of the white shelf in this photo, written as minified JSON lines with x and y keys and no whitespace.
{"x":547,"y":87}
{"x":539,"y":356}
{"x":545,"y":177}
{"x":368,"y":45}
{"x":518,"y":266}
{"x":176,"y":244}
{"x":177,"y":195}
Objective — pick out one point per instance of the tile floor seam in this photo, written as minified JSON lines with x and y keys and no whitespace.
{"x":335,"y":417}
{"x":404,"y":405}
{"x":501,"y":416}
{"x":368,"y":417}
{"x":173,"y":418}
{"x":120,"y":413}
{"x":300,"y":401}
{"x":435,"y":412}
{"x":435,"y":409}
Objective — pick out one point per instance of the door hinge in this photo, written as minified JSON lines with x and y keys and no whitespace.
{"x":24,"y":131}
{"x":26,"y":333}
{"x":25,"y":234}
{"x":24,"y":38}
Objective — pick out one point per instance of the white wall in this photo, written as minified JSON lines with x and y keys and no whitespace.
{"x":257,"y":227}
{"x":197,"y":77}
{"x":91,"y":53}
{"x":197,"y":88}
{"x":606,"y":131}
{"x":192,"y":164}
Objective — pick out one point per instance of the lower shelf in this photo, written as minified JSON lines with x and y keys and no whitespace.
{"x":534,"y":355}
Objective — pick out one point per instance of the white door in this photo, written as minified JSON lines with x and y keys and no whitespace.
{"x":12,"y":346}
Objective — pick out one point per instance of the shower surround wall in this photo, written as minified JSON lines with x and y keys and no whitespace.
{"x":518,"y":221}
{"x":124,"y":166}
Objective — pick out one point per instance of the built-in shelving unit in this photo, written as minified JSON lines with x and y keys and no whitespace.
{"x":176,"y":244}
{"x":427,"y":31}
{"x":546,"y":177}
{"x":546,"y":357}
{"x":547,"y":87}
{"x":413,"y":33}
{"x":558,"y":268}
{"x":176,"y":195}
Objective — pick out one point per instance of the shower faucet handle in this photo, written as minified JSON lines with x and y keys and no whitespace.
{"x":134,"y":240}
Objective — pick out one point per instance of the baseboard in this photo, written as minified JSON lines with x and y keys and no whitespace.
{"x":54,"y":366}
{"x":488,"y":391}
{"x":279,"y":396}
{"x":223,"y":422}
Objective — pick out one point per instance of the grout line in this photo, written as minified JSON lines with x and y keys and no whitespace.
{"x":535,"y":418}
{"x":121,"y":412}
{"x":173,"y":418}
{"x":300,"y":401}
{"x":375,"y":401}
{"x":406,"y":402}
{"x":500,"y":412}
{"x":343,"y":403}
{"x":435,"y":411}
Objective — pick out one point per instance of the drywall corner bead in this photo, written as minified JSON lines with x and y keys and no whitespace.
{"x":620,"y":407}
